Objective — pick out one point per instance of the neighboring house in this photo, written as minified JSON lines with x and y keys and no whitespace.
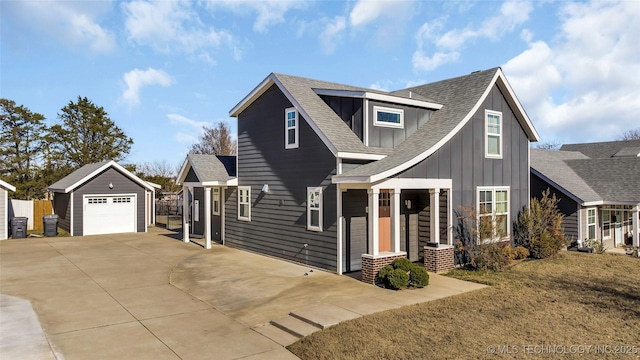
{"x":206,"y":178}
{"x":103,"y":198}
{"x":4,"y":209}
{"x":347,"y":178}
{"x":598,"y":185}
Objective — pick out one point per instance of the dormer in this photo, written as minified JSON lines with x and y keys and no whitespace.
{"x":380,"y":119}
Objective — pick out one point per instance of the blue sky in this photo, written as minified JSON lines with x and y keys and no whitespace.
{"x":164,"y":69}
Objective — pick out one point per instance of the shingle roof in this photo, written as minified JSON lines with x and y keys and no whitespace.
{"x":602,"y":149}
{"x":458,"y":95}
{"x":211,"y":168}
{"x":628,"y":152}
{"x":604,"y":179}
{"x":552,"y":165}
{"x":76,"y":176}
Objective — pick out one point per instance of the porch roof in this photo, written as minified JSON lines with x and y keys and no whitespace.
{"x":210,"y":169}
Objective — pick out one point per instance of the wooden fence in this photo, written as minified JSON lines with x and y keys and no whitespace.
{"x":34,"y":210}
{"x":40,"y":209}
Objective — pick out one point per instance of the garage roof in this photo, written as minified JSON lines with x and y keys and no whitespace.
{"x":87,"y":172}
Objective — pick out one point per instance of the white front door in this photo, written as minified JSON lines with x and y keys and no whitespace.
{"x":109,"y":214}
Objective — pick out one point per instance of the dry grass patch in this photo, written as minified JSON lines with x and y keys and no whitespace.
{"x":573,"y":299}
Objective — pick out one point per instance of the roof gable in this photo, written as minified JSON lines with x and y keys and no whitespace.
{"x":209,"y":169}
{"x":87,"y":172}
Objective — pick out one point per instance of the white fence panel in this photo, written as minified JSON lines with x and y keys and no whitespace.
{"x":22,"y":208}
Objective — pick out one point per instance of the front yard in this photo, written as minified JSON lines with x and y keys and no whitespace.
{"x":575,"y":305}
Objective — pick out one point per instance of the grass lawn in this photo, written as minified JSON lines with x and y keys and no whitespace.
{"x":574,"y":299}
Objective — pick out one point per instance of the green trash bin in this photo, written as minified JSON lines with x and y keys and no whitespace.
{"x":50,"y":225}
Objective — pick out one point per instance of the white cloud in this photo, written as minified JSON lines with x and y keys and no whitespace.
{"x":447,"y":46}
{"x":366,"y":11}
{"x":182,"y":120}
{"x":383,"y":21}
{"x":137,"y":79}
{"x":582,"y":85}
{"x":173,"y":26}
{"x":186,"y":138}
{"x":331,"y":33}
{"x":72,"y":23}
{"x":268,"y":12}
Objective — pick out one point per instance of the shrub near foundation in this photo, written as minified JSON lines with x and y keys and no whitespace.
{"x":403,"y":273}
{"x":418,"y":277}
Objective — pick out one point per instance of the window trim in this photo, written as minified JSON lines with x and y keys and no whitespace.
{"x":248,"y":202}
{"x":594,"y":223}
{"x":494,"y":214}
{"x":377,"y":109}
{"x":311,"y":190}
{"x":606,"y":224}
{"x":215,"y":195}
{"x":486,"y":134}
{"x":295,"y":128}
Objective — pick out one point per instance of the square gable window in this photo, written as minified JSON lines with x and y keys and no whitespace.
{"x":388,"y":117}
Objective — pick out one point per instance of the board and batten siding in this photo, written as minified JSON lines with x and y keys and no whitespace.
{"x":349,"y":110}
{"x":4,"y":221}
{"x":568,"y":207}
{"x":462,"y":159}
{"x":387,"y":137}
{"x":278,"y":225}
{"x":99,"y":185}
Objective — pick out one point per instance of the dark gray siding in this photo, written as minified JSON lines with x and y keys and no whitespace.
{"x":349,"y":110}
{"x":350,"y":164}
{"x":462,"y":159}
{"x":354,"y":203}
{"x":62,"y":208}
{"x":567,"y":206}
{"x":191,"y":176}
{"x":390,"y":137}
{"x":100,"y":185}
{"x":198,"y":226}
{"x":279,"y":218}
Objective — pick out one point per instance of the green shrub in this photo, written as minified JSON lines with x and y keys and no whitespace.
{"x":384,"y":273}
{"x":597,"y":246}
{"x":418,"y":277}
{"x":398,"y":279}
{"x":521,"y":252}
{"x":402,"y":263}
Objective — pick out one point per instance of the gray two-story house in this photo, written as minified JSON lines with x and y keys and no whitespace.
{"x":346,"y":178}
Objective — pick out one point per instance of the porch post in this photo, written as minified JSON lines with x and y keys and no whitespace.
{"x":207,"y":217}
{"x":374,"y":246}
{"x":193,"y":211}
{"x":340,"y":229}
{"x":222,"y":213}
{"x":435,"y":215}
{"x":395,"y":219}
{"x":636,"y":228}
{"x":185,"y":214}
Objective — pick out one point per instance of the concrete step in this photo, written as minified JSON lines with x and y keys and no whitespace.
{"x":295,"y":326}
{"x":323,"y":315}
{"x":276,"y":334}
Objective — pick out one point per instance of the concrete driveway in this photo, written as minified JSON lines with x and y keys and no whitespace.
{"x":151,"y":296}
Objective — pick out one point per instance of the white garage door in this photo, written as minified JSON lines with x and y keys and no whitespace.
{"x":109,"y":214}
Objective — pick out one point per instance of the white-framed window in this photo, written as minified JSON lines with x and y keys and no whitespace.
{"x":493,"y":133}
{"x":97,"y":200}
{"x":244,"y":203}
{"x":291,"y":127}
{"x":388,"y":117}
{"x":591,"y":223}
{"x":216,"y":201}
{"x":314,"y":208}
{"x":606,"y":224}
{"x":493,"y":213}
{"x":196,"y":210}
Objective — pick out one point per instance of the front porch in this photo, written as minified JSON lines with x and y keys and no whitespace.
{"x":393,"y":219}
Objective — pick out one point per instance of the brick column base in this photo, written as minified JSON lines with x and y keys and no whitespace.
{"x":439,"y":259}
{"x":372,"y":264}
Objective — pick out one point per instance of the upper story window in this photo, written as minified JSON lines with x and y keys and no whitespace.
{"x":314,"y":208}
{"x":291,"y":128}
{"x":493,"y":213}
{"x":493,"y":134}
{"x":244,"y":203}
{"x":388,"y":117}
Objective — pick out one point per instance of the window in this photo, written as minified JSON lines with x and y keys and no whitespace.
{"x":290,"y":128}
{"x":493,"y":213}
{"x":591,"y":223}
{"x":606,"y":224}
{"x":120,"y":200}
{"x":388,"y":117}
{"x":97,"y":201}
{"x":493,"y":130}
{"x":216,"y":201}
{"x":314,"y":208}
{"x":244,"y":203}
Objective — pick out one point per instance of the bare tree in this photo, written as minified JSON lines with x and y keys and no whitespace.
{"x":160,"y":172}
{"x":549,"y":145}
{"x":215,"y":141}
{"x":632,"y":134}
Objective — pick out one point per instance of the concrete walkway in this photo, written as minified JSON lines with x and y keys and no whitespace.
{"x":151,"y":296}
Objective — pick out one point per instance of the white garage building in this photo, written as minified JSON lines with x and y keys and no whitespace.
{"x":103,"y":198}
